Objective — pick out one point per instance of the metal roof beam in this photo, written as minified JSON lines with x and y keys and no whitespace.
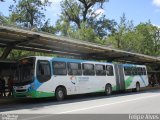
{"x":11,"y":45}
{"x":6,"y":52}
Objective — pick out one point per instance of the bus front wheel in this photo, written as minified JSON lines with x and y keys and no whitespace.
{"x":108,"y":90}
{"x":60,"y":93}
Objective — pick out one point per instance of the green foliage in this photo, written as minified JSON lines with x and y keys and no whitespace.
{"x":139,"y":39}
{"x":78,"y":11}
{"x":28,"y":13}
{"x":6,"y":20}
{"x":48,"y":28}
{"x":86,"y":33}
{"x":117,"y":37}
{"x":79,"y":20}
{"x":63,"y":26}
{"x":102,"y":26}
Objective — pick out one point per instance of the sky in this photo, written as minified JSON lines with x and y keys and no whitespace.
{"x":136,"y":10}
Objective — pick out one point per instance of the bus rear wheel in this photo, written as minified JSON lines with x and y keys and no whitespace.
{"x":60,"y":94}
{"x":137,"y":87}
{"x":108,"y":90}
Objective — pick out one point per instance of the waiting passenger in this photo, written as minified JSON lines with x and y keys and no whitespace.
{"x":3,"y":93}
{"x":1,"y":87}
{"x":152,"y":80}
{"x":10,"y":86}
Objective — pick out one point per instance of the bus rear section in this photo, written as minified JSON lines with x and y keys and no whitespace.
{"x":129,"y":76}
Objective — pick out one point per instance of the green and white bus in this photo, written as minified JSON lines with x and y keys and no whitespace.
{"x":40,"y":76}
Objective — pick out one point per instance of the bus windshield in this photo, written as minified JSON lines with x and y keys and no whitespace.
{"x":26,"y":69}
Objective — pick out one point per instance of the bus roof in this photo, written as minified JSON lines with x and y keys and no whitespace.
{"x":78,"y":60}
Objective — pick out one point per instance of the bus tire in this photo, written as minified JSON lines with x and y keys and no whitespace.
{"x":137,"y":89}
{"x":60,"y":94}
{"x":108,"y":89}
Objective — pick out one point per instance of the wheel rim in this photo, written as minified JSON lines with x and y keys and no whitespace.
{"x":108,"y":90}
{"x":60,"y":94}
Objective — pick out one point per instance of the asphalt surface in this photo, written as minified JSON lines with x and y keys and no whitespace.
{"x":144,"y":102}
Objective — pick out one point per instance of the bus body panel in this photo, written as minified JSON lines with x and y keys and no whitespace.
{"x":80,"y":84}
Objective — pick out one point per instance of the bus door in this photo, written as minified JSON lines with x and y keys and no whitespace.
{"x":119,"y":77}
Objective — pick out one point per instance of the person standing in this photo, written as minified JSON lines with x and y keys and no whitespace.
{"x":10,"y":86}
{"x":1,"y":87}
{"x":3,"y":93}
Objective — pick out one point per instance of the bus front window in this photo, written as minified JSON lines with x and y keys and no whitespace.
{"x":26,"y":70}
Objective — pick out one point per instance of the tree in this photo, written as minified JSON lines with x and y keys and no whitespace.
{"x":77,"y":15}
{"x":139,"y":39}
{"x":63,"y":26}
{"x":48,"y":28}
{"x":7,"y":20}
{"x":29,"y":13}
{"x":78,"y":12}
{"x":117,"y":37}
{"x":86,"y":33}
{"x":157,"y":41}
{"x":146,"y":32}
{"x":102,"y":26}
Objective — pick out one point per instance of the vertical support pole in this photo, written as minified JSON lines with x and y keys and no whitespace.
{"x":6,"y":52}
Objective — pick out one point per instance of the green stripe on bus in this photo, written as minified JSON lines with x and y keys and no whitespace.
{"x":38,"y":94}
{"x":114,"y":88}
{"x":128,"y":81}
{"x":34,"y":94}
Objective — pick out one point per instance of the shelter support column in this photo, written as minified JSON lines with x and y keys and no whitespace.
{"x":6,"y":52}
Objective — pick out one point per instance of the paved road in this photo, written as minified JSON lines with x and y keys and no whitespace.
{"x":143,"y":102}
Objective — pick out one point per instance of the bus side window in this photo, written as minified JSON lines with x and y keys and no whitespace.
{"x":43,"y":70}
{"x":126,"y":71}
{"x":141,"y":71}
{"x":100,"y":70}
{"x":144,"y":71}
{"x":59,"y":68}
{"x":138,"y":70}
{"x":134,"y":71}
{"x":109,"y":69}
{"x":88,"y":69}
{"x":74,"y":69}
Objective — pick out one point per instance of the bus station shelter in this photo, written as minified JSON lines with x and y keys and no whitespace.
{"x":20,"y":39}
{"x":28,"y":40}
